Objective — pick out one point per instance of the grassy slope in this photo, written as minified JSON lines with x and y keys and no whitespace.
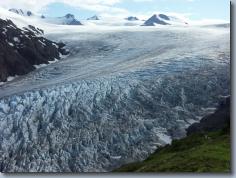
{"x":209,"y":152}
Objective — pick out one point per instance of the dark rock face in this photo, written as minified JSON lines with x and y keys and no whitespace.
{"x":21,"y":49}
{"x":31,"y":29}
{"x":155,"y":20}
{"x":216,"y":121}
{"x":163,"y":16}
{"x":75,"y":22}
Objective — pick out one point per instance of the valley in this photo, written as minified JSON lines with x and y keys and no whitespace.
{"x":121,"y":93}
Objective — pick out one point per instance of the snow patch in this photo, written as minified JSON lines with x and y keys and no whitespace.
{"x":63,"y":56}
{"x":2,"y":83}
{"x":55,"y":60}
{"x":115,"y":157}
{"x":9,"y":79}
{"x":11,"y":44}
{"x":161,"y":133}
{"x":40,"y":66}
{"x":54,"y":44}
{"x":4,"y":31}
{"x":4,"y":107}
{"x":27,"y":36}
{"x":166,"y":138}
{"x":11,"y":26}
{"x":41,"y":42}
{"x":209,"y":110}
{"x":16,"y":39}
{"x":44,"y":65}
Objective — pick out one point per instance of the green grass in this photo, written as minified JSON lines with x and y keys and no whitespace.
{"x":206,"y":153}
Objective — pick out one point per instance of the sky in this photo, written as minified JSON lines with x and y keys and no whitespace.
{"x":198,"y":10}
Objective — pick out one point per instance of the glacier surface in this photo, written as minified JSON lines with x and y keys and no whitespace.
{"x":117,"y":97}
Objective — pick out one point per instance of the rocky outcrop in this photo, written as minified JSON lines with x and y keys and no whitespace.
{"x":21,"y":49}
{"x":216,"y":121}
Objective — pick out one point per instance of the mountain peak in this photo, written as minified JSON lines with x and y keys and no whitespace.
{"x":68,"y":16}
{"x":132,"y":18}
{"x":68,"y":19}
{"x":162,"y":19}
{"x":95,"y":17}
{"x":156,"y":20}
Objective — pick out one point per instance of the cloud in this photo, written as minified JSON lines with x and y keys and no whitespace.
{"x":24,"y":4}
{"x":208,"y":22}
{"x":36,"y":5}
{"x":142,"y":0}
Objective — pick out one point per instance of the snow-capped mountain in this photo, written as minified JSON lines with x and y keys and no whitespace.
{"x":68,"y":19}
{"x":155,"y":20}
{"x":132,"y":18}
{"x":21,"y":12}
{"x":114,"y":21}
{"x":162,"y":19}
{"x":95,"y":17}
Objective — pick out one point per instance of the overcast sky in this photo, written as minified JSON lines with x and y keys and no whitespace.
{"x":190,"y":9}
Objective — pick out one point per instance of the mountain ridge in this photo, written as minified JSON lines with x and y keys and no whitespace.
{"x":22,"y":49}
{"x":68,"y":19}
{"x":162,"y":19}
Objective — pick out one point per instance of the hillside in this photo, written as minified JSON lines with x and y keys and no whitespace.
{"x":201,"y":151}
{"x":196,"y":153}
{"x":23,"y":49}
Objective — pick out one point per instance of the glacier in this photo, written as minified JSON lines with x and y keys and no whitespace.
{"x":118,"y":96}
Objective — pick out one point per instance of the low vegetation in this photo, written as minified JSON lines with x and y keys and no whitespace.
{"x":201,"y":152}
